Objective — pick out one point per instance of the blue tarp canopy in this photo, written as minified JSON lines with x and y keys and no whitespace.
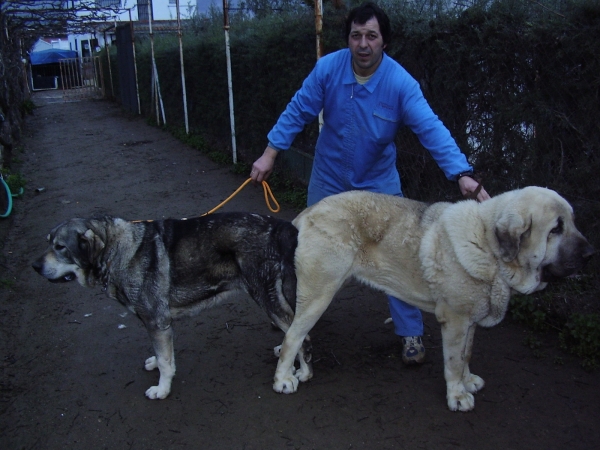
{"x":50,"y":56}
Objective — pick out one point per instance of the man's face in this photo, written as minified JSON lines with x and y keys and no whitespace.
{"x":366,"y":45}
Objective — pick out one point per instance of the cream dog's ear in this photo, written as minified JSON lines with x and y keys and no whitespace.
{"x":90,"y":245}
{"x":511,"y":230}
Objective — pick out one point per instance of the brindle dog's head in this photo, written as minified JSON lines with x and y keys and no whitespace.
{"x":71,"y":253}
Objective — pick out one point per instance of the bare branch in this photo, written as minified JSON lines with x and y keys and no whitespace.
{"x":54,"y":17}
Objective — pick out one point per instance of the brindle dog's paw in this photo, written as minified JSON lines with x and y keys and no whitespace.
{"x":150,"y":364}
{"x":303,"y":374}
{"x":156,"y":392}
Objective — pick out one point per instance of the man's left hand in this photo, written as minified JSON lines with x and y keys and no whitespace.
{"x":468,"y":186}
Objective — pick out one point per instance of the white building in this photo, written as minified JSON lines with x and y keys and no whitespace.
{"x":118,"y":11}
{"x":105,"y":16}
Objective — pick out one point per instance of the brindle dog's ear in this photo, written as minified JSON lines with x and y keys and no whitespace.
{"x":91,"y":245}
{"x":511,"y":230}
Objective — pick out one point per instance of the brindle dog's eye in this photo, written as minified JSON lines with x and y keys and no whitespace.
{"x":59,"y":247}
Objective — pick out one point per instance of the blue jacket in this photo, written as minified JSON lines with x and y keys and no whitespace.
{"x":355,"y":149}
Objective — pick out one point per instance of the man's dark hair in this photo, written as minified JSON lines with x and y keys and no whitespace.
{"x":366,"y":11}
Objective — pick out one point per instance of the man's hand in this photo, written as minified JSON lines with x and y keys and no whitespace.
{"x":263,"y":166}
{"x":468,"y":186}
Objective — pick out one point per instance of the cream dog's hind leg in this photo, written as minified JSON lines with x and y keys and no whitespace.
{"x":307,"y":314}
{"x":304,"y":355}
{"x":323,"y":262}
{"x":315,"y":290}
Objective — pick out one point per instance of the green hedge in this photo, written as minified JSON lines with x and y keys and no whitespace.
{"x":516,"y":82}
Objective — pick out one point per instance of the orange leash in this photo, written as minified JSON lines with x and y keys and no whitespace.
{"x":268,"y":198}
{"x":266,"y":189}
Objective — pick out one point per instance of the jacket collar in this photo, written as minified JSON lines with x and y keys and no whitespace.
{"x":348,"y":76}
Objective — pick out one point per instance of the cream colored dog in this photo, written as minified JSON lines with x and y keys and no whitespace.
{"x":460,"y":261}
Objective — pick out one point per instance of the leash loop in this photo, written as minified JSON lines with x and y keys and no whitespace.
{"x":269,"y":193}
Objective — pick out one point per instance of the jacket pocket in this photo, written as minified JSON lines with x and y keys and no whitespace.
{"x":386,"y":122}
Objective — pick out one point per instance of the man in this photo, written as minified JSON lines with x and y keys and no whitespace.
{"x":366,"y":97}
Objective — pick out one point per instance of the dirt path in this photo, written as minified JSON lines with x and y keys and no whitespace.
{"x":72,"y":359}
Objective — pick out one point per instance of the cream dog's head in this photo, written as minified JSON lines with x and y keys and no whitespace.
{"x":536,"y":238}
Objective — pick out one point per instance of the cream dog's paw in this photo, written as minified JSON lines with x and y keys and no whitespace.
{"x":287,"y":384}
{"x":459,"y":399}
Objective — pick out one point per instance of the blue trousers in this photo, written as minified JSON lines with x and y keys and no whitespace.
{"x":408,"y":320}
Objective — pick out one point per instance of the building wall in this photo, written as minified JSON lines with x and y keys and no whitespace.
{"x":87,"y":44}
{"x":48,"y":43}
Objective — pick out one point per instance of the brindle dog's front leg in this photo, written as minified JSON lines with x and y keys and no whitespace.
{"x":162,"y":341}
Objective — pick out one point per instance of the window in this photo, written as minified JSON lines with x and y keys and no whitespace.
{"x":108,"y":3}
{"x":143,"y":13}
